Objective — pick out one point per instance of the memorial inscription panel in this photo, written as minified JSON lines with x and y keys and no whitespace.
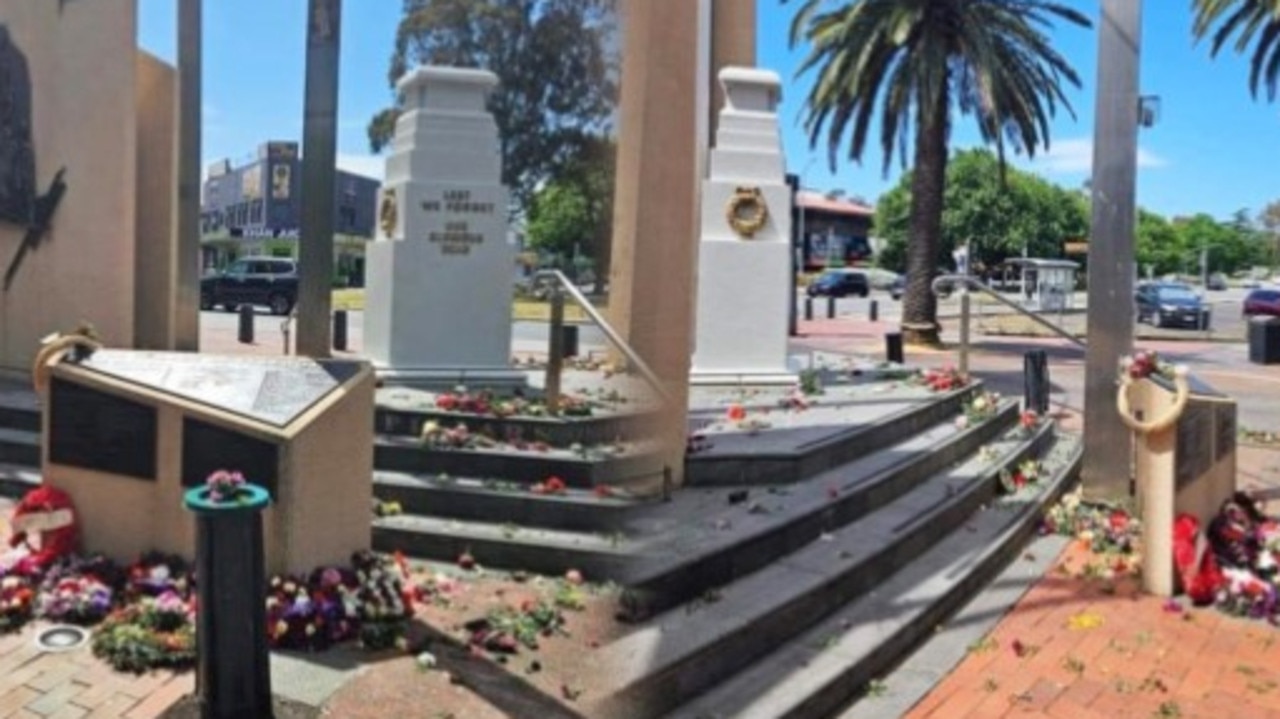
{"x":274,"y":390}
{"x":99,"y":431}
{"x":207,"y":448}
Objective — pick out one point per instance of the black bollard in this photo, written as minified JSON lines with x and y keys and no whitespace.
{"x":246,"y":324}
{"x":893,"y":347}
{"x":340,"y":330}
{"x":570,"y":340}
{"x":1035,"y":382}
{"x":808,"y":308}
{"x":874,"y":312}
{"x":831,"y":307}
{"x":233,"y":673}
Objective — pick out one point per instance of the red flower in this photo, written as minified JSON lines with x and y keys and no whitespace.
{"x":1118,"y":521}
{"x":737,"y":413}
{"x":555,"y":485}
{"x":602,"y":491}
{"x":1029,"y":420}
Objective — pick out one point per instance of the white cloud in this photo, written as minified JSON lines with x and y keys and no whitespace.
{"x":374,"y":166}
{"x":1075,"y":156}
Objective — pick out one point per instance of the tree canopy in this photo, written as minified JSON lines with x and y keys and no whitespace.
{"x":557,"y":74}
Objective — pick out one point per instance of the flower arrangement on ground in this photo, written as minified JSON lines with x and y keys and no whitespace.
{"x":154,"y":632}
{"x":1029,"y":421}
{"x":487,"y":404}
{"x":458,"y":437}
{"x":17,"y":596}
{"x":942,"y":380}
{"x":978,"y":409}
{"x":1028,"y":472}
{"x":79,"y":590}
{"x":1106,"y":529}
{"x":157,"y":573}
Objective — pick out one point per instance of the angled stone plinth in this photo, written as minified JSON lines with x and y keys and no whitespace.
{"x":438,"y":301}
{"x":744,"y":256}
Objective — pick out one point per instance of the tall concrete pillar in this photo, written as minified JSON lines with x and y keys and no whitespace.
{"x":1107,"y":442}
{"x":186,"y":312}
{"x":666,"y":120}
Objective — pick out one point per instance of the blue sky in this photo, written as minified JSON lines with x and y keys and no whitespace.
{"x":1213,"y":150}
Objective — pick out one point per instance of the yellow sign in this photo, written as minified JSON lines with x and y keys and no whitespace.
{"x":1076,"y":248}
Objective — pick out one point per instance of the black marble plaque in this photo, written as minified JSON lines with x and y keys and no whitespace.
{"x":272,"y":390}
{"x":1226,"y":431}
{"x":17,"y":144}
{"x":206,"y":448}
{"x":99,"y":431}
{"x":1195,"y":437}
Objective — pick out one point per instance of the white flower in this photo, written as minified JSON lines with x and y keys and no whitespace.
{"x":980,"y":403}
{"x":962,"y":422}
{"x":426,"y":661}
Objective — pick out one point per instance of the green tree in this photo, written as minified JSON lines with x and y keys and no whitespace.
{"x":557,"y":78}
{"x":1160,"y":248}
{"x":915,"y":62}
{"x":1269,"y":220}
{"x":1251,"y":22}
{"x":999,"y":212}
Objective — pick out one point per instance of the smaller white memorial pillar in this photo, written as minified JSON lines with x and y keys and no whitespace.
{"x":438,"y":296}
{"x":744,"y":257}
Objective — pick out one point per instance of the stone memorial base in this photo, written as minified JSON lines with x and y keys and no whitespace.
{"x":126,"y":433}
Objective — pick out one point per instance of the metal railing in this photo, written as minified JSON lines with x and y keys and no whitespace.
{"x":969,"y":282}
{"x":555,"y":359}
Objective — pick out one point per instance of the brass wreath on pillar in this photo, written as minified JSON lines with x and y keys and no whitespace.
{"x":1181,"y":393}
{"x":747,"y":212}
{"x":388,"y":213}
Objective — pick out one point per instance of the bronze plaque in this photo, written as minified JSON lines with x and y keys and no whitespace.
{"x":17,"y":144}
{"x":102,"y":432}
{"x":207,"y":448}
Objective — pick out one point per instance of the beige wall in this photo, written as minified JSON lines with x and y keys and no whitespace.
{"x":155,"y":264}
{"x":83,"y":64}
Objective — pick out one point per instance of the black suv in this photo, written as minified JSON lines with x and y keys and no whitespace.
{"x":840,"y":283}
{"x":1170,"y":304}
{"x":268,"y":281}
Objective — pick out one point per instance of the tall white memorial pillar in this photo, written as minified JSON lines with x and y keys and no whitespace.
{"x":744,"y":257}
{"x":438,"y":296}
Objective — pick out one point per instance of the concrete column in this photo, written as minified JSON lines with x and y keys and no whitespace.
{"x":655,"y":208}
{"x":186,"y":317}
{"x":1107,"y":442}
{"x":733,"y":44}
{"x":319,"y":177}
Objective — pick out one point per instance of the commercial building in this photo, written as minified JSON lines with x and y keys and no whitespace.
{"x":832,"y":231}
{"x":256,"y":208}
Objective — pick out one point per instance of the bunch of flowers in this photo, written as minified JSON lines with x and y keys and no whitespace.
{"x":224,"y":485}
{"x":154,"y":632}
{"x":1145,"y":363}
{"x":1245,"y":595}
{"x":552,"y":485}
{"x":943,"y":380}
{"x":462,"y":401}
{"x":1106,"y":529}
{"x":1029,"y":420}
{"x":978,"y":409}
{"x":17,"y":594}
{"x":571,"y":406}
{"x":459,"y":437}
{"x":1026,"y":473}
{"x":156,"y":573}
{"x":79,"y":590}
{"x":383,"y":597}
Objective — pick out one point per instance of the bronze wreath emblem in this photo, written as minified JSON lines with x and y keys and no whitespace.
{"x":388,"y":212}
{"x":747,"y":212}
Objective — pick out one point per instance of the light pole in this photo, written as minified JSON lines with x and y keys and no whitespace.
{"x":1107,"y":442}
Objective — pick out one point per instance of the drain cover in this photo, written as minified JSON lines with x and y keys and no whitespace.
{"x":61,"y":638}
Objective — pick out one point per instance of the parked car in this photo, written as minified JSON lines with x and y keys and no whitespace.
{"x":898,"y":288}
{"x":840,"y":283}
{"x":1171,"y":304}
{"x":1262,"y":302}
{"x":1217,"y":282}
{"x":271,"y":282}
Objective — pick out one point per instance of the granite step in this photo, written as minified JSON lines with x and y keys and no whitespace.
{"x":688,"y":650}
{"x":713,"y":549}
{"x":467,"y":498}
{"x":819,"y":672}
{"x":872,"y":424}
{"x":18,"y":479}
{"x":19,"y":409}
{"x":19,"y":446}
{"x":407,"y":455}
{"x":406,"y":421}
{"x":506,"y":546}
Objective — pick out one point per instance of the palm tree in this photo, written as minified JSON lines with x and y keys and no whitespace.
{"x":914,"y":60}
{"x":1249,"y":20}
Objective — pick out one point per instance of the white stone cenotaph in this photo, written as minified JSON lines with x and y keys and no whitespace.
{"x":438,"y":301}
{"x":744,"y":256}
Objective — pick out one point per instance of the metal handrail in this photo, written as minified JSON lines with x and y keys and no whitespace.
{"x":943,"y":281}
{"x":609,"y":332}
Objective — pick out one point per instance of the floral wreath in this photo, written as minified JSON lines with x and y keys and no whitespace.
{"x":1142,"y":365}
{"x":747,"y":212}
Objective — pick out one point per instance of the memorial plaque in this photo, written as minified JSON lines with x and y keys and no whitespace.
{"x":1226,"y":426}
{"x":207,"y":448}
{"x":271,"y":390}
{"x":17,"y":145}
{"x":1194,"y":455}
{"x":99,"y":431}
